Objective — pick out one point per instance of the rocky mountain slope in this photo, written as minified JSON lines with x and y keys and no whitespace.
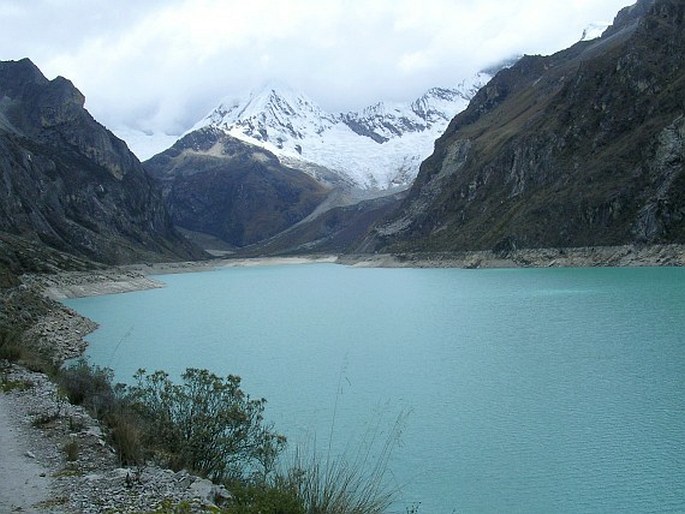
{"x":337,"y":230}
{"x":377,"y":149}
{"x":68,"y":183}
{"x":585,"y":147}
{"x":239,"y":193}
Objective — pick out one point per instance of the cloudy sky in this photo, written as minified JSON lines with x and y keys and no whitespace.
{"x":161,"y":65}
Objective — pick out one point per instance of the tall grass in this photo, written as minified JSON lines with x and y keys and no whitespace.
{"x":349,"y":484}
{"x":15,"y":348}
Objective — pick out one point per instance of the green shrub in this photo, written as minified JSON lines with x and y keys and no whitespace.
{"x":14,"y":349}
{"x":71,"y":448}
{"x":277,"y":496}
{"x":126,"y":436}
{"x":206,"y":424}
{"x":89,"y":386}
{"x":44,"y":420}
{"x":10,"y":346}
{"x":37,"y":361}
{"x":169,"y":507}
{"x":209,"y":426}
{"x":14,"y":385}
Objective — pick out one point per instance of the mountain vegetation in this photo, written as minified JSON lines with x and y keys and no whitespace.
{"x":585,"y":147}
{"x":581,"y":148}
{"x":337,"y":230}
{"x":210,"y":426}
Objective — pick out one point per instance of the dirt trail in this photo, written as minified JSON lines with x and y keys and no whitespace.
{"x":24,"y":482}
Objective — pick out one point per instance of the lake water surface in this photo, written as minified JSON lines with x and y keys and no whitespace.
{"x":527,"y":390}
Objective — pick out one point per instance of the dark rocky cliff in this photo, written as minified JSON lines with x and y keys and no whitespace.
{"x":582,"y":148}
{"x":215,"y":184}
{"x":68,"y":183}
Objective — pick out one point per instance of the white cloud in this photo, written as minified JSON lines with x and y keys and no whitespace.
{"x":160,"y":65}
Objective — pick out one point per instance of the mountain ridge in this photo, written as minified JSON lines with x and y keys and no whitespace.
{"x":219,"y":186}
{"x":580,"y":148}
{"x":68,"y":183}
{"x":365,"y":149}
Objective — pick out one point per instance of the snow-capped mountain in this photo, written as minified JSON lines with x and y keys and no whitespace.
{"x":274,"y":115}
{"x":378,"y":148}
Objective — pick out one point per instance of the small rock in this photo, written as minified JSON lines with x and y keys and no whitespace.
{"x":203,"y":489}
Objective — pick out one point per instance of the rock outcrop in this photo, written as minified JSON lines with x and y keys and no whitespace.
{"x":215,"y":184}
{"x":70,"y":184}
{"x":585,"y":147}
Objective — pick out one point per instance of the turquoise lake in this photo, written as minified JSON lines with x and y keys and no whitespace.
{"x":522,"y":390}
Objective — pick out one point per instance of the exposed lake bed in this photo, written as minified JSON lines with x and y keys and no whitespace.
{"x":135,"y":277}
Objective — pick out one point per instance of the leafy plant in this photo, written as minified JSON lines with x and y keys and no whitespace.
{"x":14,"y":385}
{"x":45,"y":419}
{"x":10,"y":347}
{"x":90,"y":386}
{"x":277,"y":496}
{"x":126,"y":436}
{"x":206,"y":424}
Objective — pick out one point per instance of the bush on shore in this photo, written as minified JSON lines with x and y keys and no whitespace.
{"x":13,"y":348}
{"x":211,"y":427}
{"x":205,"y":424}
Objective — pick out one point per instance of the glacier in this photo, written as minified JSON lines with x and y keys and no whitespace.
{"x":377,"y":149}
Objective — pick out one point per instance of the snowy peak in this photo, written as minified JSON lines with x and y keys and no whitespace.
{"x":377,"y":148}
{"x":274,"y":114}
{"x":382,"y":122}
{"x":440,"y":104}
{"x":594,"y":30}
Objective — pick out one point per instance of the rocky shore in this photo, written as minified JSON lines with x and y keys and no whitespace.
{"x":39,"y":418}
{"x":591,"y":256}
{"x":65,"y":465}
{"x":54,"y":456}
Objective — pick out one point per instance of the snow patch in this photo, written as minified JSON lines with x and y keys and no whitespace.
{"x":143,"y":144}
{"x":594,"y":30}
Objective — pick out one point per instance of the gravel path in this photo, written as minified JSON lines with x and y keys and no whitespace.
{"x":37,"y":477}
{"x":24,"y":481}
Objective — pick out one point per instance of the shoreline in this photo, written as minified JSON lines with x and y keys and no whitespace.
{"x":62,"y":331}
{"x":139,"y":277}
{"x":576,"y":257}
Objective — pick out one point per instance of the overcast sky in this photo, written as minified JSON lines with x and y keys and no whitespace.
{"x":161,"y":65}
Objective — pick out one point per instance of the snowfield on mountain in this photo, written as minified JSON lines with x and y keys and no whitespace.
{"x":378,"y":148}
